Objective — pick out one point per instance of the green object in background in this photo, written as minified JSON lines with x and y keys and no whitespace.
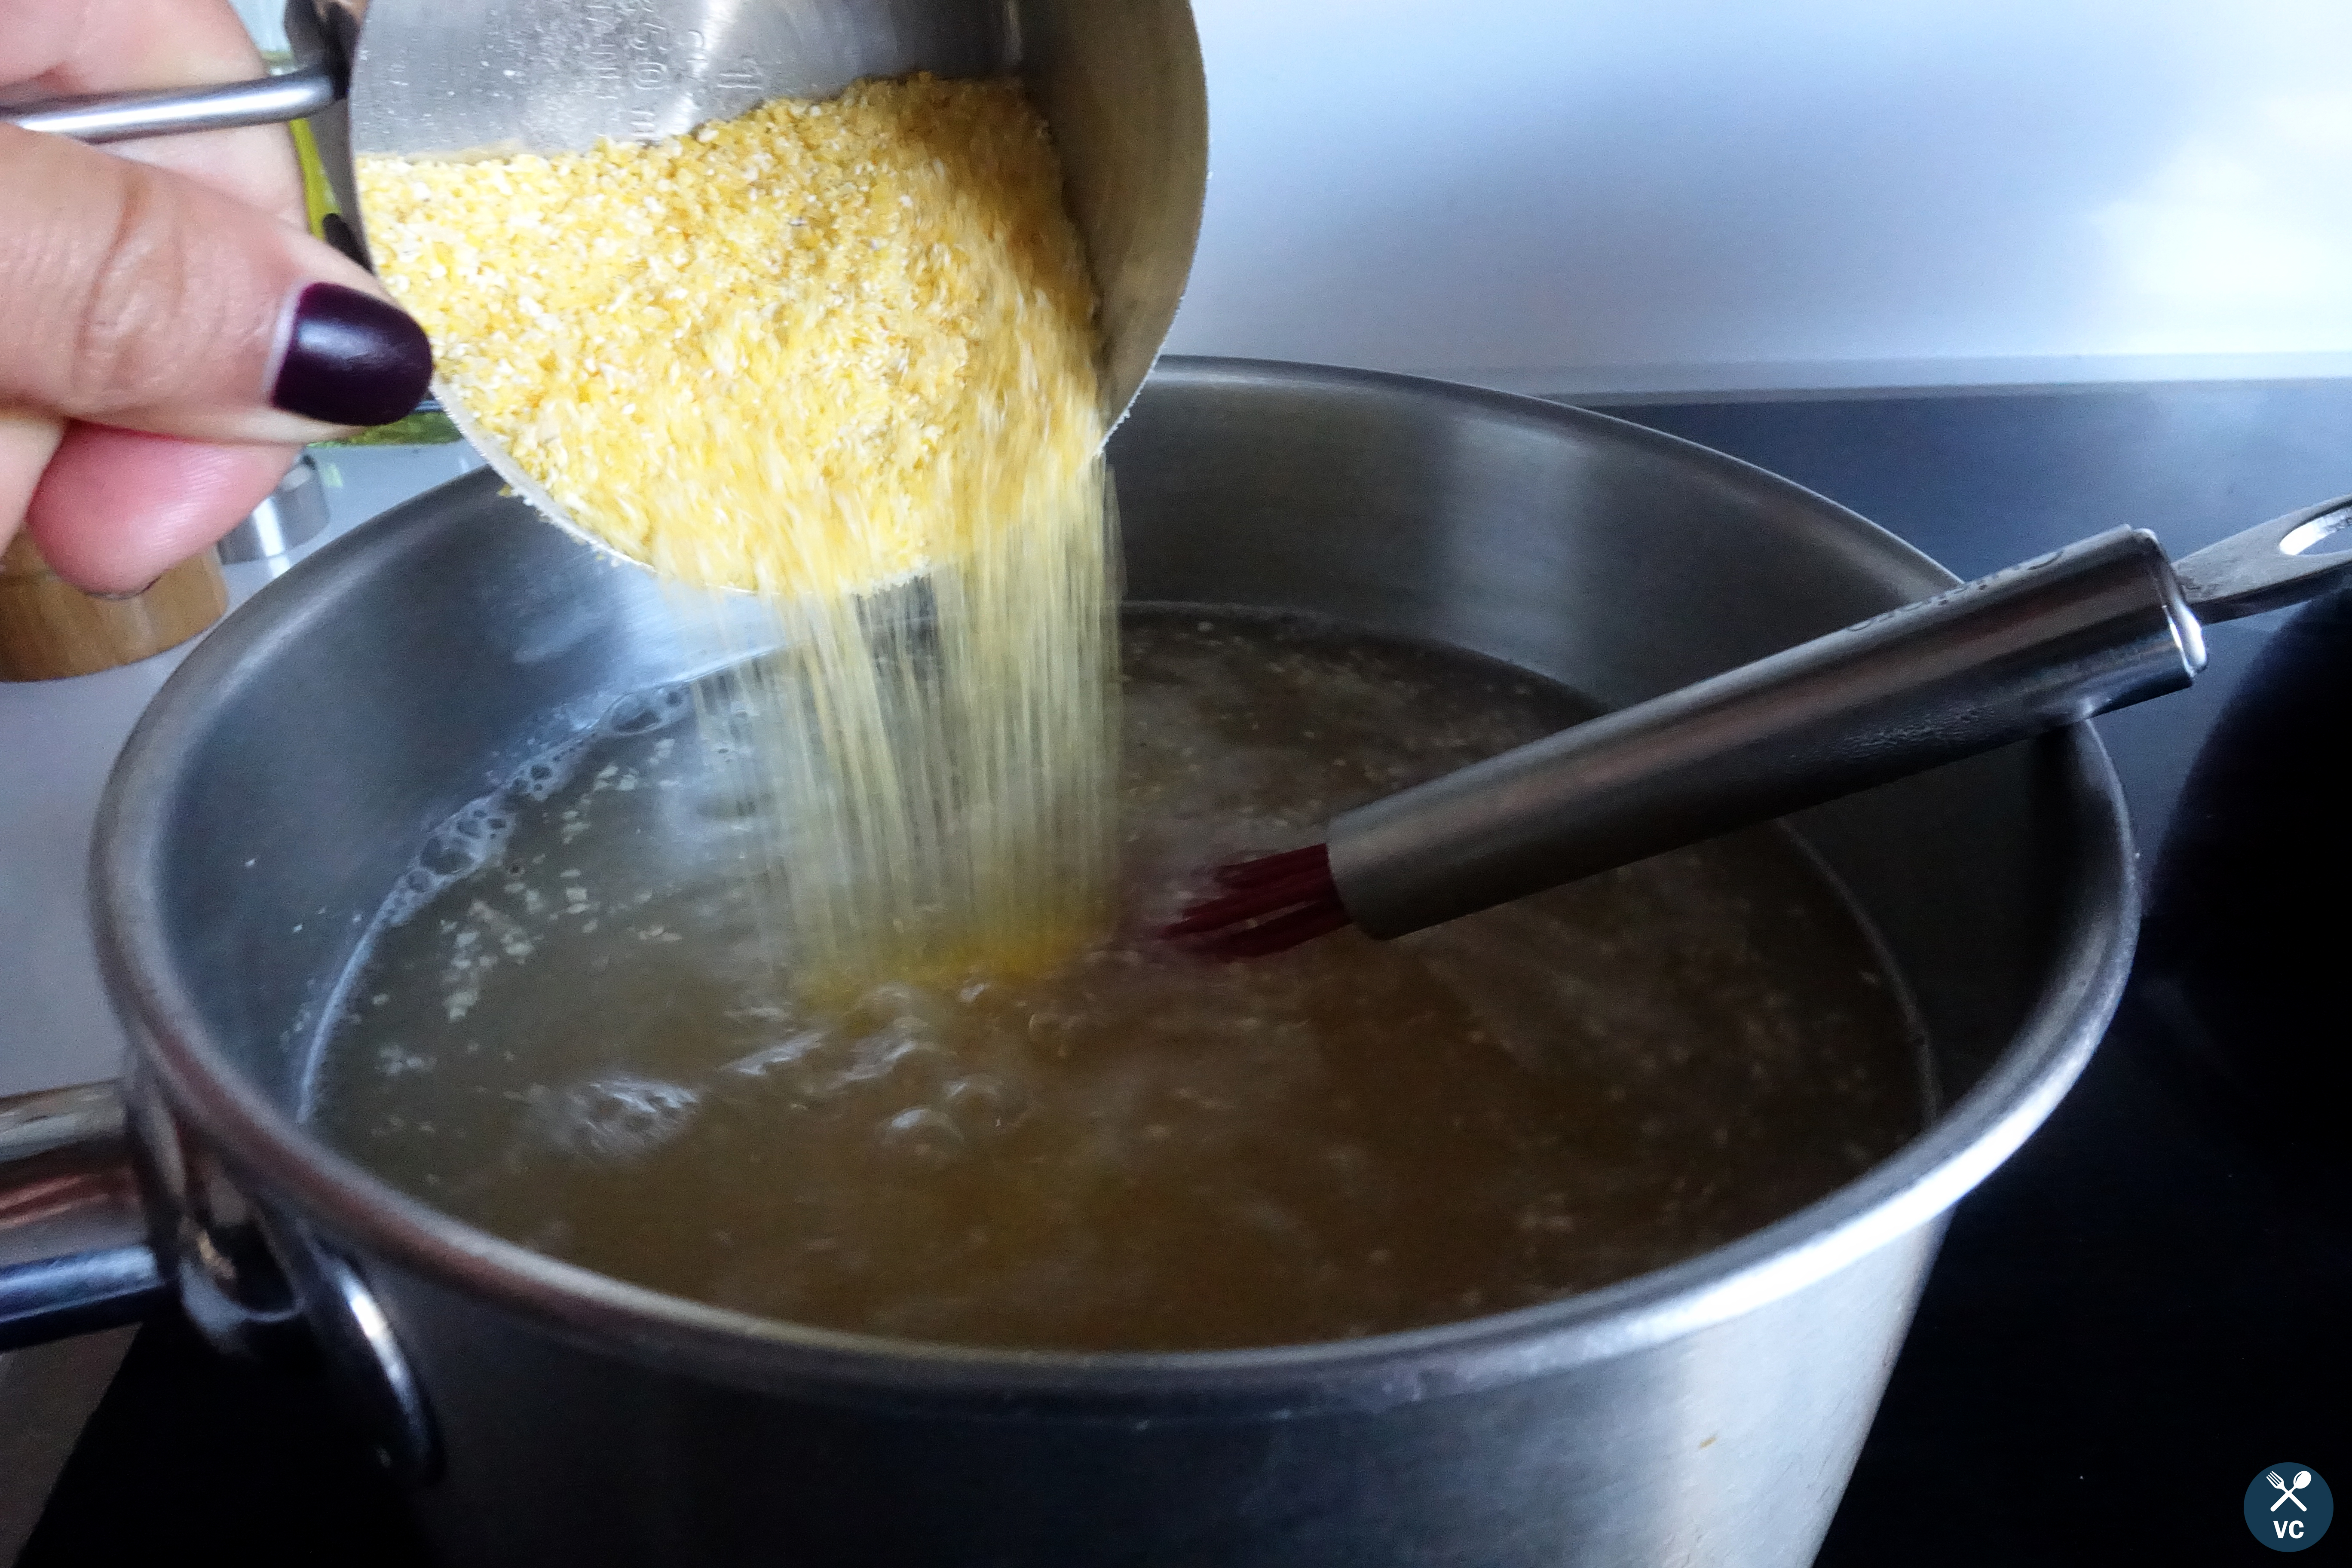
{"x":426,"y":427}
{"x":318,"y":197}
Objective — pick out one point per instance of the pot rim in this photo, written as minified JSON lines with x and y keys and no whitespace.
{"x":356,"y":1210}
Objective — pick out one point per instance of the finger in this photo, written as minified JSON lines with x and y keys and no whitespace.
{"x":114,"y":505}
{"x":26,"y":442}
{"x":130,"y":295}
{"x":117,"y":509}
{"x":69,"y":47}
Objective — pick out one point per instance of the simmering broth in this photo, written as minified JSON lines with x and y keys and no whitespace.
{"x":573,"y":1026}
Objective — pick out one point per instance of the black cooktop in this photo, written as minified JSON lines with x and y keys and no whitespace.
{"x":2132,"y":1318}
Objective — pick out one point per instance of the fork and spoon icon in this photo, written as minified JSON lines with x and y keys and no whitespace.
{"x":2286,"y":1492}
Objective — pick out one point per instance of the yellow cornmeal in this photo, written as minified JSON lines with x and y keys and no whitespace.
{"x":806,"y":349}
{"x":840,"y":354}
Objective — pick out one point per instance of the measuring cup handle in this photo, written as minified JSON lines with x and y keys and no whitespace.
{"x":129,"y":116}
{"x":321,"y":33}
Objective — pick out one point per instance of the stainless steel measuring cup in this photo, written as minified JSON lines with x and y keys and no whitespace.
{"x":1118,"y":81}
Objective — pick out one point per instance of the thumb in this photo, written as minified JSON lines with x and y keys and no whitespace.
{"x":135,"y":297}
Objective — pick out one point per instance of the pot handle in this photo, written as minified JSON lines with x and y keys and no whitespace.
{"x":75,"y":1248}
{"x":78,"y":1253}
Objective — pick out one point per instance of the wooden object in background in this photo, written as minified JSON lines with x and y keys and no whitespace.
{"x":50,"y":628}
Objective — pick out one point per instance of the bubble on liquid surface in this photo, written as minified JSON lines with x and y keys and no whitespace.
{"x":619,"y":1116}
{"x":540,"y":777}
{"x":454,"y":851}
{"x":983,"y":1105}
{"x":640,"y":712}
{"x":897,"y":1045}
{"x":480,"y":830}
{"x":923,"y":1135}
{"x":783,"y":1053}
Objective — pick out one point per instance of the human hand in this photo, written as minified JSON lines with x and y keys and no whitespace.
{"x":169,"y":332}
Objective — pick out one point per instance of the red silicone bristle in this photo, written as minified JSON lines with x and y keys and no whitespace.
{"x":1315,"y":858}
{"x":1254,"y":903}
{"x":1279,"y":934}
{"x":1277,"y":902}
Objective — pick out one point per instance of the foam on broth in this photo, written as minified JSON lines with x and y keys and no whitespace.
{"x":577,"y":1032}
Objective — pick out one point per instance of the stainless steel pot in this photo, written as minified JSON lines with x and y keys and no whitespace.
{"x":1706,"y":1414}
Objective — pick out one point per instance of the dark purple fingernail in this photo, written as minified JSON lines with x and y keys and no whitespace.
{"x":351,"y":359}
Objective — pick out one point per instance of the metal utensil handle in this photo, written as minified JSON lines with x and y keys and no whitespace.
{"x":74,"y":1249}
{"x":127,"y":116}
{"x":320,"y":76}
{"x":2280,"y":562}
{"x":2094,"y":626}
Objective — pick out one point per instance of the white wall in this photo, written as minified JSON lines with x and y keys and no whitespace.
{"x":1673,"y":195}
{"x":1628,"y":195}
